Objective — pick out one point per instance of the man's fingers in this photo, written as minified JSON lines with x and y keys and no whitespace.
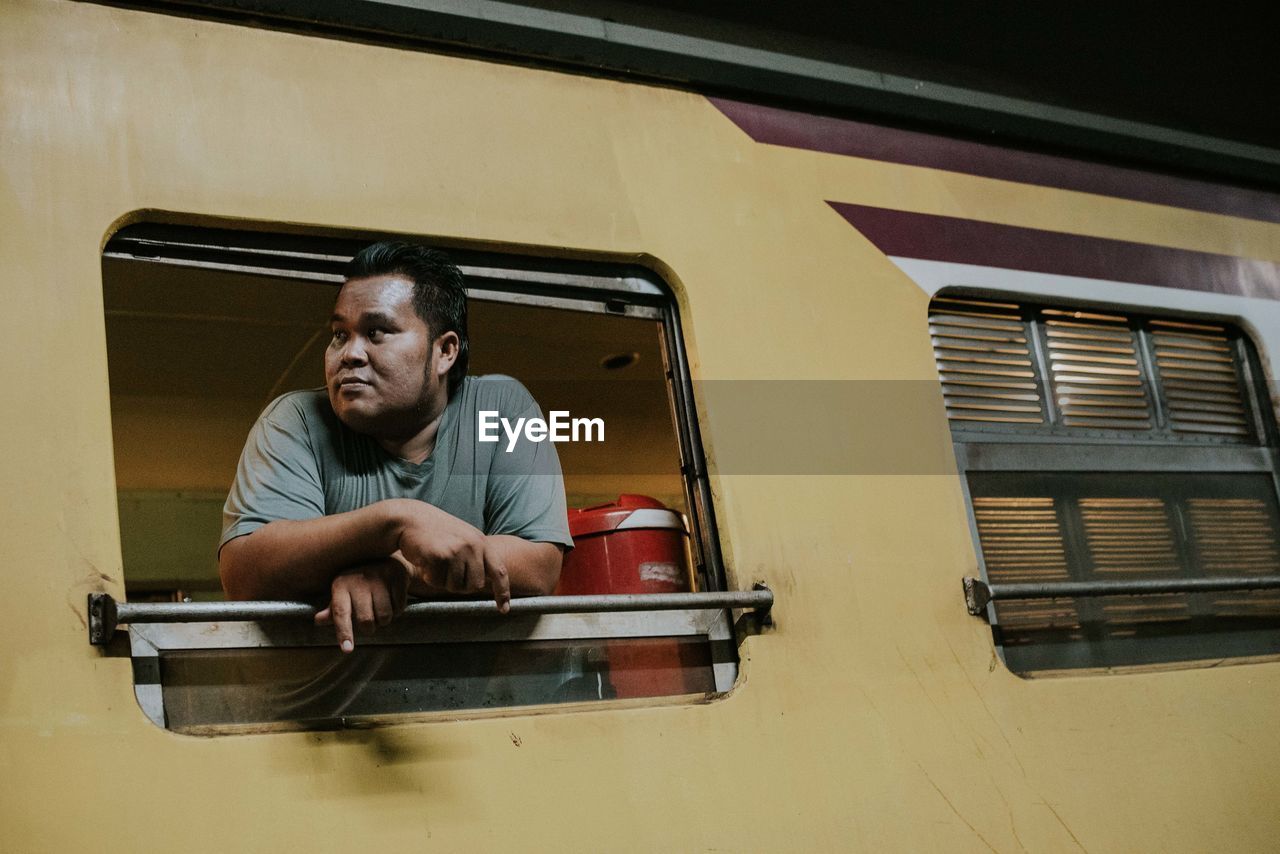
{"x":340,"y":613}
{"x":457,"y":574}
{"x":362,"y":607}
{"x":382,"y":608}
{"x":325,"y":617}
{"x":462,"y":572}
{"x":476,"y":573}
{"x":499,"y":582}
{"x":437,"y":575}
{"x":466,"y":569}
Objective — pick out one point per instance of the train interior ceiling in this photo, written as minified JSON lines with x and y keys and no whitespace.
{"x":195,"y":354}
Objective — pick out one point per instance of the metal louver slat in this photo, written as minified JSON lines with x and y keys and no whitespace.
{"x":1237,"y":536}
{"x":1133,"y":538}
{"x":1095,"y":371}
{"x":1022,"y":540}
{"x":1198,"y":372}
{"x":985,"y":361}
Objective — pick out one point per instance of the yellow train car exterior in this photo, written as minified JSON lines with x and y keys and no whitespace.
{"x":875,"y":715}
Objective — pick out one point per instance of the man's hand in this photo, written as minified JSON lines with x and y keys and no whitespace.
{"x":369,"y":596}
{"x":448,"y":554}
{"x":532,"y":568}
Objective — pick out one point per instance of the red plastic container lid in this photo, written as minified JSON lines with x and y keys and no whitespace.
{"x":629,"y":512}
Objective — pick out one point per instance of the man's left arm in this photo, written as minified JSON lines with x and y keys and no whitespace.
{"x":526,"y":523}
{"x":526,"y":520}
{"x":526,"y":517}
{"x":533,"y":568}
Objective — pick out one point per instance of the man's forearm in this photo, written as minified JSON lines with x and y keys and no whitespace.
{"x":291,"y":559}
{"x":534,"y":568}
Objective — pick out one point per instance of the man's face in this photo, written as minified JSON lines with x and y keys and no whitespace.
{"x":378,"y":365}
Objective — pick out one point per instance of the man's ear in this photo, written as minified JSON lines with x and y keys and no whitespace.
{"x":448,"y":345}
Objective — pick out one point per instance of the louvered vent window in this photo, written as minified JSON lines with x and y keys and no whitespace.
{"x":1009,"y":367}
{"x":1108,"y":446}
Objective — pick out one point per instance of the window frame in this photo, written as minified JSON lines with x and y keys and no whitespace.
{"x":992,"y":449}
{"x":540,"y":280}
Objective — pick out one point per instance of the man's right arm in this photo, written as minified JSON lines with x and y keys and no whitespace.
{"x":288,"y":559}
{"x":291,"y":559}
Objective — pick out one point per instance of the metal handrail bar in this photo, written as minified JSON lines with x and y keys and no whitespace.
{"x":105,"y":613}
{"x":978,"y":593}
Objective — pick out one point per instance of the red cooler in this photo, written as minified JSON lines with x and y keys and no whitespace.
{"x":634,"y":545}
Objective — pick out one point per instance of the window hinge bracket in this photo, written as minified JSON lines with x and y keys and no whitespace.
{"x":103,"y":618}
{"x":977,"y":595}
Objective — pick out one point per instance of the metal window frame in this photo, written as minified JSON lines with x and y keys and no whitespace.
{"x":597,"y":287}
{"x":148,"y":642}
{"x":1049,"y":449}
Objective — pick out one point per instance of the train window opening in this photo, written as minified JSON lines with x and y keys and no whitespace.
{"x":1101,"y":446}
{"x":205,"y":327}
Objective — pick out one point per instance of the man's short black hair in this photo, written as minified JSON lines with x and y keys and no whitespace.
{"x":439,"y":296}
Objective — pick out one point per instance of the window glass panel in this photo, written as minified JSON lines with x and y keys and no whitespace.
{"x":319,"y":686}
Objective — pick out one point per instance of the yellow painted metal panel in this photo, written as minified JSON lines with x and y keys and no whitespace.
{"x":875,"y":717}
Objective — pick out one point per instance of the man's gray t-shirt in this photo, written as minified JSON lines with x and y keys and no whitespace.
{"x":301,"y":462}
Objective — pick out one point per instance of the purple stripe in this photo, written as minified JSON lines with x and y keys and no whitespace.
{"x":856,"y":139}
{"x":965,"y":241}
